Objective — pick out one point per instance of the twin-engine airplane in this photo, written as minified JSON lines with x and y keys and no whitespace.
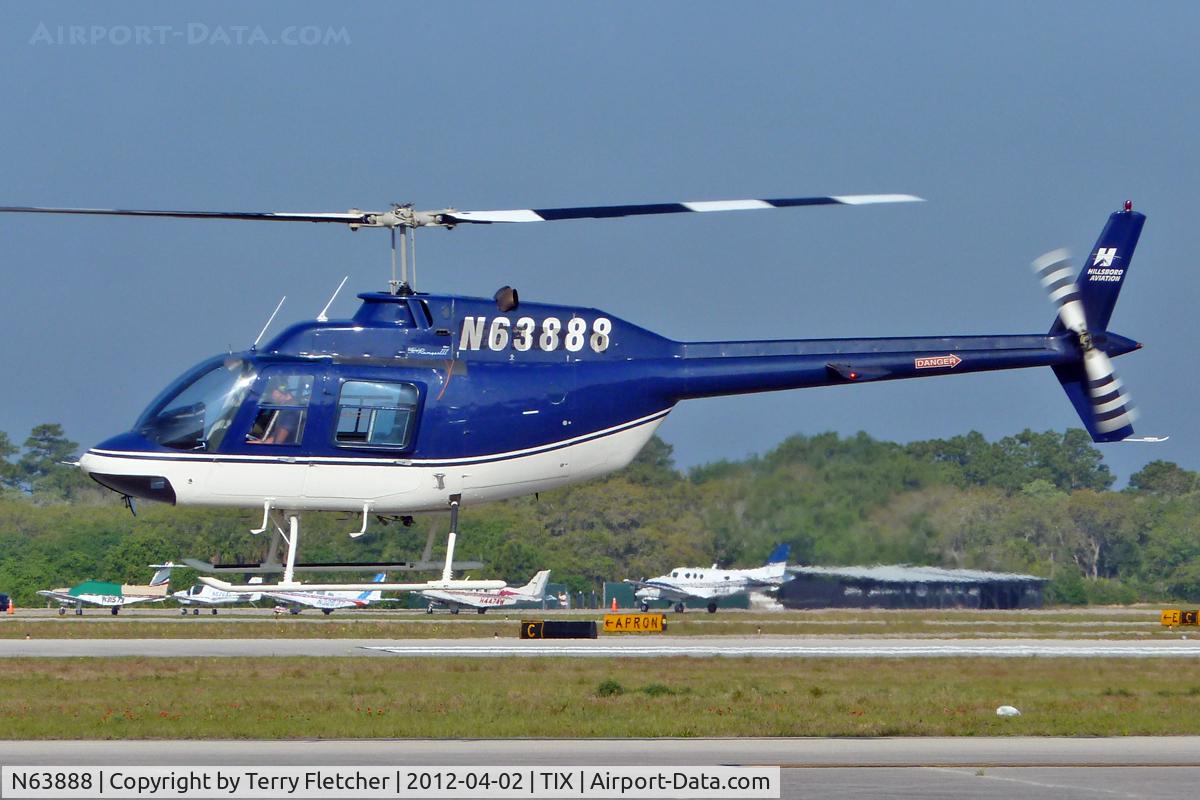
{"x":483,"y":599}
{"x":423,"y":402}
{"x":109,"y":595}
{"x":712,"y":585}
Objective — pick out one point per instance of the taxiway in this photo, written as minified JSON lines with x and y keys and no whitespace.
{"x":632,"y":646}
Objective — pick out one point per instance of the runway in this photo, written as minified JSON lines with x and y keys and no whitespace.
{"x":610,"y":647}
{"x":1159,"y":767}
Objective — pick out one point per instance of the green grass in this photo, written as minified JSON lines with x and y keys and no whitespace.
{"x":293,"y":698}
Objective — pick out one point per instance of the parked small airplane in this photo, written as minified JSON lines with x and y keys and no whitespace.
{"x":712,"y":584}
{"x":112,"y":595}
{"x":483,"y":599}
{"x":327,"y":601}
{"x":202,"y":595}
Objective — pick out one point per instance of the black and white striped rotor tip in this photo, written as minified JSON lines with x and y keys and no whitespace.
{"x":1112,"y":408}
{"x":1056,"y":272}
{"x":454,"y":217}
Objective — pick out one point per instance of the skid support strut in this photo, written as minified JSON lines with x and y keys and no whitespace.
{"x":455,"y":501}
{"x":293,"y":544}
{"x":290,"y":538}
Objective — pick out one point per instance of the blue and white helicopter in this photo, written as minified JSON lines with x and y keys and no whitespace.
{"x":425,"y":402}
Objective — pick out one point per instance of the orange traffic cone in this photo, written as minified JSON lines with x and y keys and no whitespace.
{"x":614,"y":604}
{"x":12,"y":607}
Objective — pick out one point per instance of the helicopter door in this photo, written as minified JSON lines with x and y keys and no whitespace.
{"x":374,"y":425}
{"x":544,"y":420}
{"x":269,"y":465}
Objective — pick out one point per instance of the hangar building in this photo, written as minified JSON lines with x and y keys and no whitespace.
{"x":908,"y":587}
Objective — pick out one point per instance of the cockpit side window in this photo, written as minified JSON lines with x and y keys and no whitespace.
{"x":282,"y":410}
{"x":376,"y":413}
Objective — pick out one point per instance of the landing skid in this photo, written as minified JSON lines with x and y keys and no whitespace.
{"x":290,"y":539}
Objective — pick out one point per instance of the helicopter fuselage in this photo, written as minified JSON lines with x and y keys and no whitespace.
{"x":419,"y":398}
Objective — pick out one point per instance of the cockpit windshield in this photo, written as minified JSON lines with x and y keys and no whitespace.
{"x":198,"y":412}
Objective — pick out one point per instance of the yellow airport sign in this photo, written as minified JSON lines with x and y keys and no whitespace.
{"x":635,"y":623}
{"x":1173,"y":616}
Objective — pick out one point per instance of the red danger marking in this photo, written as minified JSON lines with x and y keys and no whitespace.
{"x":932,"y":362}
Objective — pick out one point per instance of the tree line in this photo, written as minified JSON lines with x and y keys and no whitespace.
{"x":1035,"y":503}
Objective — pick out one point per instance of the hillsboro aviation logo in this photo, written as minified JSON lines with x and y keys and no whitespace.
{"x":1104,"y":257}
{"x":933,"y":362}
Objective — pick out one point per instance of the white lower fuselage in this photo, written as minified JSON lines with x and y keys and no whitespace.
{"x":699,"y":583}
{"x":209,"y":596}
{"x":102,"y":600}
{"x":479,"y":599}
{"x":681,"y":590}
{"x":319,"y":600}
{"x":386,"y":486}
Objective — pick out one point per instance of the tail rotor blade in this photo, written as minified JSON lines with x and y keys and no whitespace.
{"x":1112,"y":407}
{"x":1057,"y":274}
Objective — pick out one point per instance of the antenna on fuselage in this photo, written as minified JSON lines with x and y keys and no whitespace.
{"x":269,"y":321}
{"x":321,"y":317}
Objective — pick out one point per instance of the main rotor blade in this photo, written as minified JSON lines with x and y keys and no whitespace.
{"x":348,"y":218}
{"x":406,"y":217}
{"x":452,"y":217}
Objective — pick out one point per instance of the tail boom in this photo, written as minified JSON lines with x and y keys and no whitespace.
{"x":1077,"y":347}
{"x":722,"y":368}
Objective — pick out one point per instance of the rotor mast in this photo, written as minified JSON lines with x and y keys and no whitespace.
{"x":403,"y":220}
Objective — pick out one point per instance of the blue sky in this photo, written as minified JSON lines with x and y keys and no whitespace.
{"x":1024,"y":124}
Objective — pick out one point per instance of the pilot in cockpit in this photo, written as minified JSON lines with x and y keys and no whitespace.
{"x":277,"y":425}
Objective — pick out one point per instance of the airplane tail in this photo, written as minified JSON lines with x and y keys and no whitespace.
{"x":375,"y":596}
{"x":1085,"y":304}
{"x":779,"y":555}
{"x":163,"y":574}
{"x":537,"y":586}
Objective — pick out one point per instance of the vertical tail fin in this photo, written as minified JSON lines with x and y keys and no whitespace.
{"x":375,"y":596}
{"x":537,"y":586}
{"x":1085,"y":307}
{"x":162,"y":575}
{"x":779,"y":555}
{"x":1103,"y":273}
